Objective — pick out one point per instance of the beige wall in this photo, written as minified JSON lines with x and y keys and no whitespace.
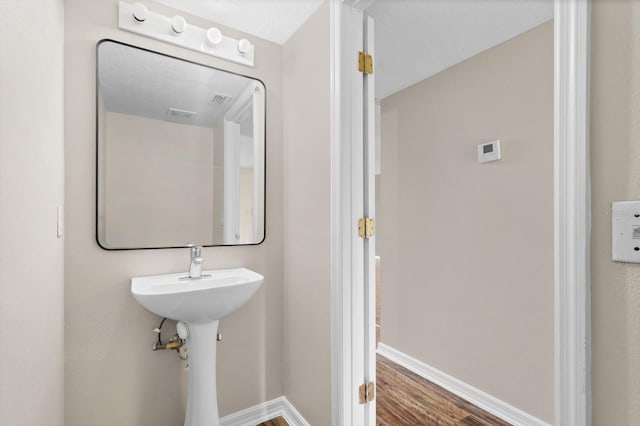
{"x":307,"y":183}
{"x":615,"y":174}
{"x":31,"y":188}
{"x":112,"y":377}
{"x":467,"y":248}
{"x":146,"y":167}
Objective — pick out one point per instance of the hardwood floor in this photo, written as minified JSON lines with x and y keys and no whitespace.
{"x":278,"y":421}
{"x":406,"y":399}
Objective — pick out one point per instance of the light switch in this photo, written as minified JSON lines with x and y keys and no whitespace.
{"x":625,"y":231}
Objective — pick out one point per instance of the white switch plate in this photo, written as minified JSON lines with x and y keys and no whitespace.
{"x":625,"y":231}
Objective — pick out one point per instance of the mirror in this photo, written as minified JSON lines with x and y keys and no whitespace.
{"x":180,"y":152}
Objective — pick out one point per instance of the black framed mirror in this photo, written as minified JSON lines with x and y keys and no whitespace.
{"x":180,"y":156}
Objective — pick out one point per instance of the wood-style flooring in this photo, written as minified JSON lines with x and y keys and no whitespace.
{"x":406,"y":399}
{"x":278,"y":421}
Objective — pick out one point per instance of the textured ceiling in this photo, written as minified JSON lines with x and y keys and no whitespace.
{"x":415,"y":39}
{"x":136,"y":82}
{"x":273,"y":20}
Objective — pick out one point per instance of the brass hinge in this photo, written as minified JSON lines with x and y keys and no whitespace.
{"x":365,"y":63}
{"x":367,"y":392}
{"x":366,"y":227}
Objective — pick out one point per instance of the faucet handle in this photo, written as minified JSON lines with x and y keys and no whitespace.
{"x":195,"y":251}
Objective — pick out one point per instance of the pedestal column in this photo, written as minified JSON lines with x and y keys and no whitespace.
{"x":202,"y":401}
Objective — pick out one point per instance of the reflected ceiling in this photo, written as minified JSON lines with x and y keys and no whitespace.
{"x":137,"y":82}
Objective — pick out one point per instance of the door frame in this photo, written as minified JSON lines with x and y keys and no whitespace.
{"x":347,"y":270}
{"x":572,"y":218}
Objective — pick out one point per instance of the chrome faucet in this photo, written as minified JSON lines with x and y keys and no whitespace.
{"x":195,"y":264}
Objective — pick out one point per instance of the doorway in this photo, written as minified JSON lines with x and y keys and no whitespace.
{"x":571,"y":47}
{"x":465,"y":207}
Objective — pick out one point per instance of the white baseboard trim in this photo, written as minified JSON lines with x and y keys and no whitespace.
{"x":475,"y":396}
{"x":266,"y":411}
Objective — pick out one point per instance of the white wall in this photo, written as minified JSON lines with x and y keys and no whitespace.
{"x":31,"y":188}
{"x":111,"y":375}
{"x":307,"y":183}
{"x":467,"y":248}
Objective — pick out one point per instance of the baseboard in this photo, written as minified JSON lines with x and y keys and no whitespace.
{"x":475,"y":396}
{"x":266,"y":411}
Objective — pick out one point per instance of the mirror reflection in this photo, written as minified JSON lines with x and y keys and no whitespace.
{"x":181,"y":152}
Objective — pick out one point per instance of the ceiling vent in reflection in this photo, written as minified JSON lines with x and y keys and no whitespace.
{"x":219,"y":99}
{"x":179,"y":115}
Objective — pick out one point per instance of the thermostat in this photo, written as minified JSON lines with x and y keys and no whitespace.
{"x":489,"y":151}
{"x":625,"y":231}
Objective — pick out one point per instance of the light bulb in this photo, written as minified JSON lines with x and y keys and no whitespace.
{"x":214,"y":36}
{"x":140,"y":12}
{"x":244,"y":46}
{"x":178,"y":24}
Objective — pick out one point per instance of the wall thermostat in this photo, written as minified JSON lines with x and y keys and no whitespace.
{"x":625,"y":231}
{"x":489,"y":151}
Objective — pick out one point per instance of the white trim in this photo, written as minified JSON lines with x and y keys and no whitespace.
{"x":340,"y":310}
{"x":368,"y":160}
{"x":572,"y":214}
{"x":279,"y":407}
{"x":465,"y":391}
{"x":259,"y":155}
{"x":347,"y":275}
{"x":231,"y":195}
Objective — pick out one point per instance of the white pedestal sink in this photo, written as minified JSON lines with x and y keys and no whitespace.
{"x":199,"y":303}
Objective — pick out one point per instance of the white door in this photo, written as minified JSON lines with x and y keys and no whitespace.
{"x":369,"y":182}
{"x":364,"y":162}
{"x":355,"y":337}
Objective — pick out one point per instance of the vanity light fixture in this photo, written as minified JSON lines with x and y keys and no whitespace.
{"x":176,"y":30}
{"x":140,"y":12}
{"x":178,"y":24}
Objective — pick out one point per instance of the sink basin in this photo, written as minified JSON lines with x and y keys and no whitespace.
{"x":210,"y":298}
{"x":198,"y":304}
